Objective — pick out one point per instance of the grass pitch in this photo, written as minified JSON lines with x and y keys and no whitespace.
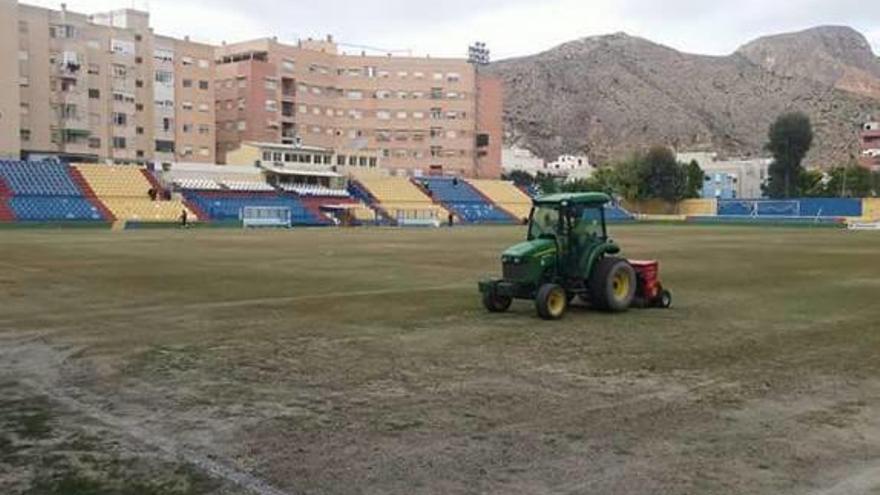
{"x":361,"y":361}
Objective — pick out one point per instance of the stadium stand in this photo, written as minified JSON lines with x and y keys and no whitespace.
{"x":462,"y":199}
{"x":314,"y":190}
{"x":5,"y":213}
{"x":247,"y":186}
{"x":43,"y":191}
{"x":124,"y":191}
{"x":399,"y":199}
{"x":197,"y":184}
{"x":45,"y":178}
{"x":227,"y":205}
{"x":505,"y":195}
{"x":53,"y":208}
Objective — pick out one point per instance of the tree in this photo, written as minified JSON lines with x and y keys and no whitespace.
{"x":851,"y":181}
{"x":812,"y":184}
{"x":664,"y":177}
{"x":790,"y":138}
{"x":694,"y":178}
{"x":520,"y":178}
{"x":546,"y":183}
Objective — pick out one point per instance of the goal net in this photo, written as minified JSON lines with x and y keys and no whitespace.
{"x":266,"y":216}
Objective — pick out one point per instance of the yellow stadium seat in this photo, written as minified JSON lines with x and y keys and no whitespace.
{"x":146,"y":210}
{"x":124,"y":191}
{"x":109,"y":180}
{"x":398,"y":196}
{"x":506,"y":195}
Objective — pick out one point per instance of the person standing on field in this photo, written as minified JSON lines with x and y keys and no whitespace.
{"x":183,"y":218}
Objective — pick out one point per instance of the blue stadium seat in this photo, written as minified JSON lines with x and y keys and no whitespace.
{"x":460,"y":197}
{"x":44,"y":178}
{"x":44,"y":208}
{"x":228,"y":206}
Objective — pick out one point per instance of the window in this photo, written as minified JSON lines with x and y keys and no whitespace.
{"x":436,"y":113}
{"x":340,"y":160}
{"x":119,"y":71}
{"x":120,"y":118}
{"x":271,"y":84}
{"x":204,"y":64}
{"x":287,"y":65}
{"x":25,"y":134}
{"x":438,"y":76}
{"x":186,"y":151}
{"x":401,"y":115}
{"x":122,"y":47}
{"x":372,"y":161}
{"x":419,"y":75}
{"x":383,"y":94}
{"x":166,"y":56}
{"x":242,"y":125}
{"x":242,"y":83}
{"x":355,"y":95}
{"x":187,"y":105}
{"x":119,"y":143}
{"x":94,"y":69}
{"x":271,"y":106}
{"x":418,"y":115}
{"x":138,"y":83}
{"x":187,"y":83}
{"x":167,"y":124}
{"x":25,"y":108}
{"x":138,"y":37}
{"x":303,"y":109}
{"x":383,"y":114}
{"x":139,"y":60}
{"x":204,"y":107}
{"x":402,"y":74}
{"x":203,"y":85}
{"x":436,"y":93}
{"x":204,"y":129}
{"x":164,"y":146}
{"x":139,"y":130}
{"x":204,"y":151}
{"x":186,"y":128}
{"x":94,"y":93}
{"x":94,"y":142}
{"x":186,"y":60}
{"x":453,"y":77}
{"x":62,"y":31}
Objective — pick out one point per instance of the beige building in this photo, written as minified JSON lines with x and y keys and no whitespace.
{"x":418,"y":115}
{"x":103,"y":88}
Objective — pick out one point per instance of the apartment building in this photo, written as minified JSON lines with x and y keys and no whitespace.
{"x":102,"y":87}
{"x":869,"y":144}
{"x":419,"y":115}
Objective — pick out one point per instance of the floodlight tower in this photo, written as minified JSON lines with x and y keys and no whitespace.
{"x":478,"y":56}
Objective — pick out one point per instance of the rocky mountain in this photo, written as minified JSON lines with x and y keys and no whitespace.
{"x":610,"y":95}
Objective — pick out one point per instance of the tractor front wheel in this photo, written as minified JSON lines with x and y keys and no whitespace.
{"x":495,"y":303}
{"x":612,"y":284}
{"x":551,"y":302}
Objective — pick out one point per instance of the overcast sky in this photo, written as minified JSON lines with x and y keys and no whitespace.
{"x":510,"y":27}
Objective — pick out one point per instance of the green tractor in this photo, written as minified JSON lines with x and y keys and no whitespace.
{"x":568,"y":254}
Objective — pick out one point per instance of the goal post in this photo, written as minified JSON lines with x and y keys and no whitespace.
{"x":266,"y":216}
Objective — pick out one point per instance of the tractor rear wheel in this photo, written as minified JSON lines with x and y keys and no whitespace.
{"x":495,"y":303}
{"x":612,"y":284}
{"x":551,"y":301}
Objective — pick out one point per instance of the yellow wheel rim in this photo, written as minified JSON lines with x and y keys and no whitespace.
{"x":556,"y":302}
{"x":620,"y":285}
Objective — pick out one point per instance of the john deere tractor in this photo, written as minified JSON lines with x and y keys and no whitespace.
{"x":568,"y":254}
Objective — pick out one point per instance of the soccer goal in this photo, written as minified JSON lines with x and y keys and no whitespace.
{"x":266,"y":216}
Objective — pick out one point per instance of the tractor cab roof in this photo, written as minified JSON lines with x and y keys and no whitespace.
{"x":592,"y":199}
